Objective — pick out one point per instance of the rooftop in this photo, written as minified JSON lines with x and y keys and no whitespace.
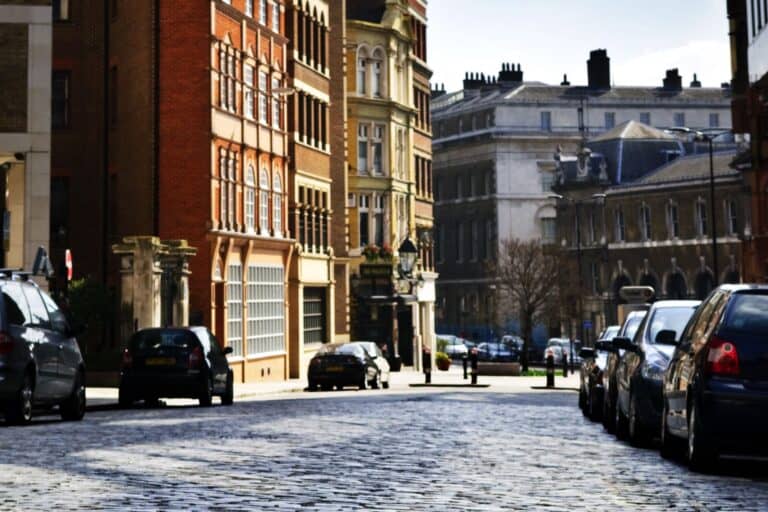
{"x":633,"y":130}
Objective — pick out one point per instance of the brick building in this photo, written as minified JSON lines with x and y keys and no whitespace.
{"x":25,"y":129}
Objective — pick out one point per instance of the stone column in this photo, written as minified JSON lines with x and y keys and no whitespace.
{"x":178,"y":256}
{"x":141,"y":278}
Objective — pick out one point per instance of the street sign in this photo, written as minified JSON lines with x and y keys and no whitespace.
{"x":587,"y":324}
{"x":68,"y":263}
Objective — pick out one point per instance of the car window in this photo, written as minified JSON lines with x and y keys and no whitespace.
{"x":349,"y":348}
{"x":215,"y":347}
{"x":58,"y":319}
{"x":16,"y":308}
{"x":700,"y":329}
{"x":36,"y":307}
{"x":630,"y":327}
{"x":668,"y":319}
{"x":154,"y":339}
{"x":748,"y":313}
{"x":202,"y":335}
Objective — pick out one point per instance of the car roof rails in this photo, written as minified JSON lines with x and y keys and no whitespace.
{"x":11,"y":273}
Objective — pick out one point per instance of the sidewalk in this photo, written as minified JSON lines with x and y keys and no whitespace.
{"x":106,"y":397}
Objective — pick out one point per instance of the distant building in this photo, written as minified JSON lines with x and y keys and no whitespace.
{"x":25,"y":130}
{"x":493,"y":166}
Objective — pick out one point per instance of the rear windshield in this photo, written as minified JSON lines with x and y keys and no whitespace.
{"x":146,"y":341}
{"x":347,"y":348}
{"x":669,"y":319}
{"x":610,"y":333}
{"x":748,"y":313}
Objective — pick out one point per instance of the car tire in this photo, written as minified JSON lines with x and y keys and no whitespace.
{"x":311,"y":385}
{"x":376,"y":382}
{"x":385,"y":384}
{"x":636,"y":432}
{"x":228,"y":398}
{"x":206,"y":392}
{"x":595,"y":407}
{"x":73,"y":408}
{"x":609,"y":416}
{"x":622,"y":427}
{"x":701,"y":454}
{"x":125,"y":397}
{"x":671,"y":446}
{"x":582,"y":400}
{"x":19,"y":410}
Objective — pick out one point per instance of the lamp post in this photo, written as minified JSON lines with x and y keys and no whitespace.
{"x":407,"y":254}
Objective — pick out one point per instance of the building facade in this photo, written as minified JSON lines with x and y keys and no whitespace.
{"x":494,"y":170}
{"x":25,"y":129}
{"x":390,"y":173}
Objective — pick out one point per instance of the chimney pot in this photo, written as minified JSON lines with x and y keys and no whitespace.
{"x":599,"y":70}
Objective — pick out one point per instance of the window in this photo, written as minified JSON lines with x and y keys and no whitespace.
{"x":645,"y":118}
{"x":679,"y":118}
{"x":714,"y":120}
{"x":547,"y":180}
{"x":673,"y":223}
{"x":548,"y":230}
{"x":475,"y":235}
{"x":263,"y":97}
{"x":37,"y":309}
{"x":60,"y":10}
{"x":277,"y":205}
{"x":266,"y":309}
{"x":459,"y":187}
{"x":263,"y":12}
{"x":378,"y":219}
{"x":275,"y":103}
{"x":459,"y":242}
{"x":249,"y":8}
{"x":440,"y":243}
{"x":546,"y":121}
{"x":620,"y":233}
{"x":276,"y":17}
{"x":231,"y":173}
{"x":610,"y":120}
{"x":227,"y":173}
{"x":591,"y":227}
{"x":16,"y":307}
{"x":363,"y":220}
{"x":362,"y":149}
{"x":250,"y":200}
{"x":377,"y":67}
{"x":235,"y":308}
{"x":490,"y":250}
{"x":645,"y":222}
{"x":314,"y":315}
{"x":595,"y":273}
{"x":377,"y":148}
{"x":264,"y":201}
{"x":731,"y":217}
{"x":362,"y":77}
{"x":60,"y":99}
{"x":232,"y":76}
{"x":223,"y":188}
{"x":701,"y":217}
{"x":248,"y":91}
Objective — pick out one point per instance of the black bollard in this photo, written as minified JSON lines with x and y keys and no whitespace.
{"x":473,"y":364}
{"x":426,"y":363}
{"x":565,"y":365}
{"x":464,"y":361}
{"x":550,"y":371}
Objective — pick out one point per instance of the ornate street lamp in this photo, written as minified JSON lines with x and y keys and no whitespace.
{"x":407,"y":253}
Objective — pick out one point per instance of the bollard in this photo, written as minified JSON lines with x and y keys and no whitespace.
{"x":426,"y":363}
{"x":473,"y":364}
{"x":464,"y":361}
{"x":565,"y":365}
{"x":550,"y":371}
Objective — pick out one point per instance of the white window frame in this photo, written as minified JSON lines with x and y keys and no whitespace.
{"x":248,"y":8}
{"x":263,"y":97}
{"x":265,"y":301}
{"x":701,"y":217}
{"x":362,"y":71}
{"x":264,"y":201}
{"x":363,"y":163}
{"x":731,"y":216}
{"x":263,"y":12}
{"x":673,"y":220}
{"x":546,"y":121}
{"x":248,"y":72}
{"x":377,"y":73}
{"x":276,"y":17}
{"x":276,"y":117}
{"x":620,"y":232}
{"x":223,"y":214}
{"x":250,"y":200}
{"x":645,"y":222}
{"x":277,"y":205}
{"x":235,"y":308}
{"x":548,"y":230}
{"x":364,"y":208}
{"x":377,"y":142}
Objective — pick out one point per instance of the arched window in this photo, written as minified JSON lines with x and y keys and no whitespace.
{"x":250,"y":200}
{"x":620,"y":281}
{"x":676,"y":286}
{"x":362,"y":75}
{"x":264,"y":201}
{"x":277,"y":205}
{"x":223,"y":215}
{"x":377,"y":68}
{"x":704,"y":284}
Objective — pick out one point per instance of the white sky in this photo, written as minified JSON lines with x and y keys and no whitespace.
{"x":552,"y":37}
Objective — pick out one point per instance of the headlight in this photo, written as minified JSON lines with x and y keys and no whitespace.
{"x":652,"y":370}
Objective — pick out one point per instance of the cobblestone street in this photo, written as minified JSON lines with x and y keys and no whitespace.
{"x":398,"y":450}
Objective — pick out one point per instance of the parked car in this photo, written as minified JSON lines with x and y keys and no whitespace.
{"x":455,"y":347}
{"x":565,"y":350}
{"x":641,"y":369}
{"x":343,"y":364}
{"x":175,"y":362}
{"x":496,"y":352}
{"x":378,"y":357}
{"x":515,"y":343}
{"x":628,"y":330}
{"x":40,"y":361}
{"x":716,"y":386}
{"x":591,"y":373}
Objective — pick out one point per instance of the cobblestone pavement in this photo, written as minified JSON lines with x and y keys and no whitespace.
{"x":368,"y":450}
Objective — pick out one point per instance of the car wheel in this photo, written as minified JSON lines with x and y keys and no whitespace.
{"x":670,"y":445}
{"x":595,"y":407}
{"x":73,"y":408}
{"x":311,"y":386}
{"x":125,"y":397}
{"x":582,"y":400}
{"x":206,"y":393}
{"x":376,"y":382}
{"x":228,"y":397}
{"x":19,"y":411}
{"x":609,"y":415}
{"x":701,"y":455}
{"x":385,"y":384}
{"x":621,"y":423}
{"x":638,"y":435}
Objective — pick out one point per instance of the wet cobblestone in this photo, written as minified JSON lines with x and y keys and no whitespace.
{"x":352,"y":451}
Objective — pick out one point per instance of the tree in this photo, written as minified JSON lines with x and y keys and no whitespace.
{"x":527,"y":276}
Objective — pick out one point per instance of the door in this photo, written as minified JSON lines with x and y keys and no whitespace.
{"x":405,"y":335}
{"x":70,"y":357}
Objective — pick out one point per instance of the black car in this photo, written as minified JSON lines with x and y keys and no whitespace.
{"x":593,"y":362}
{"x":628,"y":330}
{"x":640,"y":372}
{"x":716,"y":386}
{"x":175,"y":362}
{"x":343,"y":364}
{"x":40,"y":361}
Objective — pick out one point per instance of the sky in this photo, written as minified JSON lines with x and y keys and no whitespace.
{"x":552,"y":37}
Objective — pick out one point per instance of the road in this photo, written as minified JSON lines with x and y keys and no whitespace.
{"x":403,"y":449}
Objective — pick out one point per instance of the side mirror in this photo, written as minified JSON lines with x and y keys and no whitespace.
{"x":587,"y":353}
{"x":605,"y":346}
{"x":667,"y":337}
{"x":623,"y":343}
{"x":227,"y":350}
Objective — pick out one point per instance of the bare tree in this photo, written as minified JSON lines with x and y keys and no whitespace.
{"x":527,"y":276}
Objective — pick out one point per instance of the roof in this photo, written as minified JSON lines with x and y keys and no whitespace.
{"x":690,"y":168}
{"x":633,"y":130}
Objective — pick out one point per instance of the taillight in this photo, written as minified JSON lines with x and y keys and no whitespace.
{"x":6,"y":344}
{"x":127,"y":359}
{"x":195,"y":358}
{"x":722,"y":357}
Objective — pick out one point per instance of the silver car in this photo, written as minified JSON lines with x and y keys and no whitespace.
{"x":379,"y":360}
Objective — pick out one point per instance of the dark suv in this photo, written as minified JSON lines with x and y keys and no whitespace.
{"x":40,"y":362}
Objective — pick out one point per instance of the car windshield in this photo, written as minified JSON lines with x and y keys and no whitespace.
{"x":144,"y":341}
{"x":630,"y":327}
{"x":610,"y":333}
{"x":669,"y":319}
{"x":748,"y":314}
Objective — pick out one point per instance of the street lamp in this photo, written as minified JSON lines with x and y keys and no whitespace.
{"x":407,"y":253}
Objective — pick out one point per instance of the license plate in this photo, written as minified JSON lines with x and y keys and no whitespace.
{"x":335,"y":369}
{"x":160,"y":361}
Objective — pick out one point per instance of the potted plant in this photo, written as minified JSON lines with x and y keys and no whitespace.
{"x":442,"y":361}
{"x":386,"y":252}
{"x":371,"y":252}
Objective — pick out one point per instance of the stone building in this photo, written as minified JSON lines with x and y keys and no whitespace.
{"x":25,"y":129}
{"x":390,"y":198}
{"x":493,"y":166}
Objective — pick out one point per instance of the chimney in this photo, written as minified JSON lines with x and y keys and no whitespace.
{"x":565,"y":82}
{"x":695,"y":84}
{"x":472,"y":81}
{"x":510,"y":75}
{"x":599,"y":70}
{"x":673,"y":81}
{"x":438,"y":91}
